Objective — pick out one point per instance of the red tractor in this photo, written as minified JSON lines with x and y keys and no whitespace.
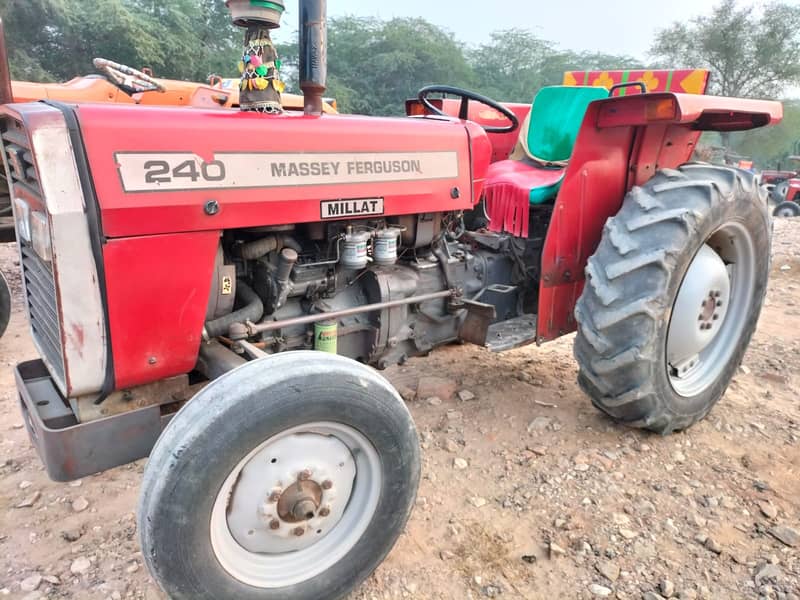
{"x":208,"y":288}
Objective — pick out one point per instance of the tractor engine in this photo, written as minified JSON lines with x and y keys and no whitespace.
{"x":285,"y":273}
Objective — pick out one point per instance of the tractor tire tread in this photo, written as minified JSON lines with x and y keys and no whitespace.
{"x":630,"y":281}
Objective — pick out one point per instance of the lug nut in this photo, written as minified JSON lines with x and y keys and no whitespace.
{"x":299,"y":531}
{"x":274,"y":524}
{"x":275,"y":496}
{"x":304,"y":475}
{"x":719,"y":303}
{"x":716,"y":317}
{"x":717,"y":294}
{"x":327,"y":484}
{"x":325,"y":512}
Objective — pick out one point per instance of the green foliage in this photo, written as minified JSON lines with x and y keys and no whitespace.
{"x":374,"y":65}
{"x":750,"y":54}
{"x":55,"y":40}
{"x":769,"y":147}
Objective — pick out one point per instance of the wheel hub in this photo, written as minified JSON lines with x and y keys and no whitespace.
{"x":699,"y":310}
{"x":291,"y":493}
{"x":300,"y":502}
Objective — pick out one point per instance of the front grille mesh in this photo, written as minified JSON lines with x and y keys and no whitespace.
{"x":40,"y":286}
{"x":43,"y":308}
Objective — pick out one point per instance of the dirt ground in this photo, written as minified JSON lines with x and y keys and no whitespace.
{"x":527,"y":491}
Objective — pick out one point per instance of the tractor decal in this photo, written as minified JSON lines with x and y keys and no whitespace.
{"x":150,"y":172}
{"x":690,"y":81}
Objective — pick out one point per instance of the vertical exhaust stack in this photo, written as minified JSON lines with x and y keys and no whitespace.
{"x":313,"y":53}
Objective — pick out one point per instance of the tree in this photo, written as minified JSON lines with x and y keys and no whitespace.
{"x":374,"y":66}
{"x":750,"y":54}
{"x":513,"y":65}
{"x":769,"y":147}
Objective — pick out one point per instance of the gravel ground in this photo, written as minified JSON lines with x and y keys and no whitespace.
{"x":527,"y":491}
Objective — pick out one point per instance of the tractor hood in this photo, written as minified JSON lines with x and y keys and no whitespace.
{"x":166,"y":170}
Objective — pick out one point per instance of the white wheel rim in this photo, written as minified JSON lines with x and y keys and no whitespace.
{"x":727,"y":279}
{"x":242,"y":535}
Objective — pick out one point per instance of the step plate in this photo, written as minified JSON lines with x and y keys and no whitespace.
{"x":511,"y":334}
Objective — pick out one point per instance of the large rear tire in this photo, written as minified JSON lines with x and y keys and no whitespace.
{"x":673,"y":295}
{"x":289,"y":478}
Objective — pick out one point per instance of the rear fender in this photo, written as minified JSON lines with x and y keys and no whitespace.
{"x":623,"y":142}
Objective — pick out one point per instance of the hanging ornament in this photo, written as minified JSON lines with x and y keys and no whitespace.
{"x":255,"y":60}
{"x":241,"y":66}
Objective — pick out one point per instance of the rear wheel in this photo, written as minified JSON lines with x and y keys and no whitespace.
{"x":787,"y":209}
{"x":673,"y":295}
{"x":290,"y":477}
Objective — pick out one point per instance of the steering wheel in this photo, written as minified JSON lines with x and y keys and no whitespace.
{"x":463,"y":112}
{"x":129,"y":80}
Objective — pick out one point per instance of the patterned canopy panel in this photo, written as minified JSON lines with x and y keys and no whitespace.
{"x":681,"y":81}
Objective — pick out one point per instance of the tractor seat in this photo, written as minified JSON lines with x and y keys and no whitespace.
{"x":534,"y":172}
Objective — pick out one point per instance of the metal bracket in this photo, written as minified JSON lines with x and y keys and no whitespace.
{"x":475,"y":328}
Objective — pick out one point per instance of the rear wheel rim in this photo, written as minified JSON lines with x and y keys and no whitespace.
{"x":267,"y":498}
{"x":787,"y":212}
{"x":697,"y":366}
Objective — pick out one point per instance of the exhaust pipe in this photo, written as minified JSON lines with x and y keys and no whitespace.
{"x":6,"y":93}
{"x":313,"y":53}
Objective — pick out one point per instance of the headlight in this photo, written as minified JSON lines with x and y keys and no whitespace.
{"x":33,"y":227}
{"x":22,"y":212}
{"x":40,"y":236}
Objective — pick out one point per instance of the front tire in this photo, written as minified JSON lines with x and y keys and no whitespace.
{"x":289,"y":478}
{"x":5,"y":304}
{"x":673,"y":295}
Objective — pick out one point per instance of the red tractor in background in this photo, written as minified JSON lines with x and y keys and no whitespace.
{"x":209,"y":287}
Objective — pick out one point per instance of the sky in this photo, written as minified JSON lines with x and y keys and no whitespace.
{"x":611,"y":26}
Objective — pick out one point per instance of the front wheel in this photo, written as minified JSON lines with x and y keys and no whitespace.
{"x":5,"y":304}
{"x":673,"y":295}
{"x":290,"y":477}
{"x":787,"y":209}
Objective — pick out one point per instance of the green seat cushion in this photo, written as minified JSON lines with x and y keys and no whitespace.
{"x":541,"y":195}
{"x":556,"y":118}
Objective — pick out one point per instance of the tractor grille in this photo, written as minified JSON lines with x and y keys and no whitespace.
{"x":40,"y":288}
{"x":43,"y":308}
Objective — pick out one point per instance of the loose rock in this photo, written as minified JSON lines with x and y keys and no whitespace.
{"x":460,"y":464}
{"x":80,"y":565}
{"x":30,"y":584}
{"x":771,"y":572}
{"x":608,"y":570}
{"x":785,"y":535}
{"x":80,"y":504}
{"x":768,"y":510}
{"x":539,"y":424}
{"x":600,"y":591}
{"x":667,"y":588}
{"x":30,"y":500}
{"x":713,"y":545}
